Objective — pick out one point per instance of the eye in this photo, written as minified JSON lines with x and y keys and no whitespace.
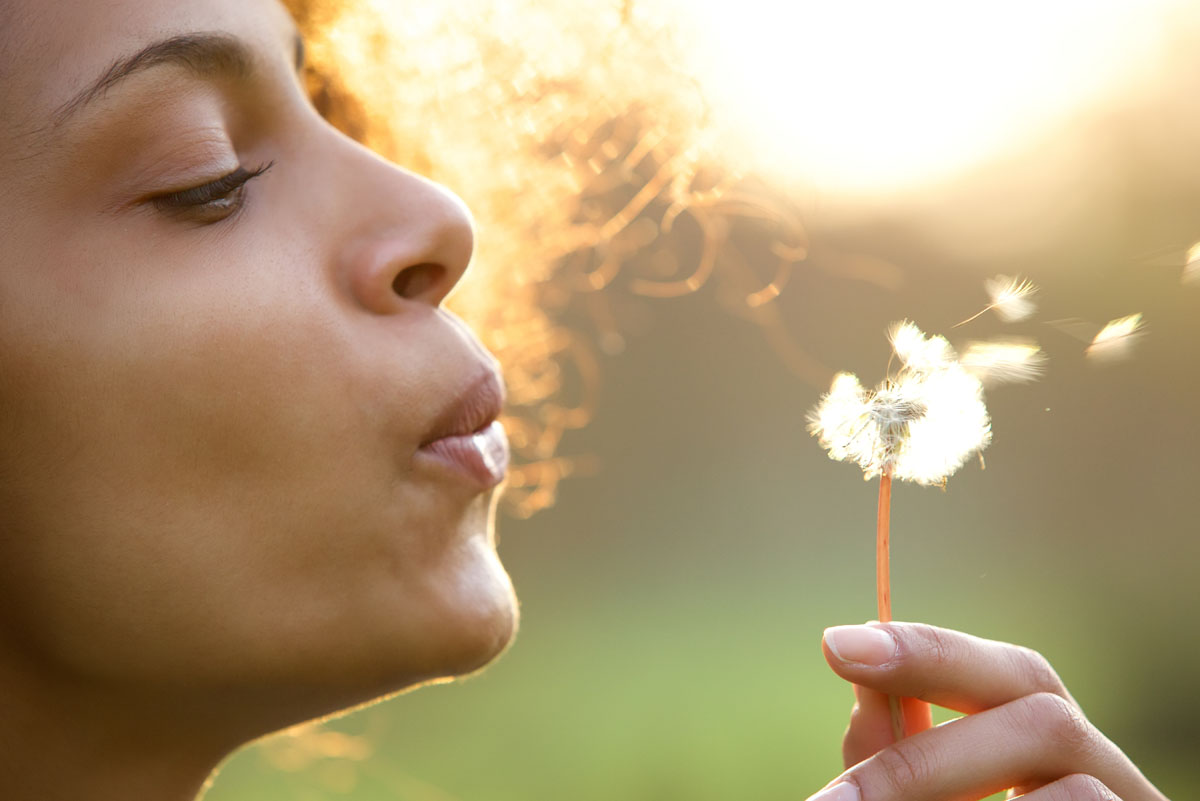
{"x":211,"y":202}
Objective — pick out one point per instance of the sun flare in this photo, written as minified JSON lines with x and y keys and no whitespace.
{"x":863,"y":96}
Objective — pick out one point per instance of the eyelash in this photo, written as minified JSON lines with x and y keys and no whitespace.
{"x":213,"y":201}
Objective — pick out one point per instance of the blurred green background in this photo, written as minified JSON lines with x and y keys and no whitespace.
{"x":673,"y":603}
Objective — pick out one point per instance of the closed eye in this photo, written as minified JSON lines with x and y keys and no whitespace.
{"x":210,"y":202}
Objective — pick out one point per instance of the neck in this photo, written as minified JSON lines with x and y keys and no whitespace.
{"x":63,"y":741}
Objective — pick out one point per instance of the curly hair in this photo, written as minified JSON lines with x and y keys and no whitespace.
{"x":582,"y":146}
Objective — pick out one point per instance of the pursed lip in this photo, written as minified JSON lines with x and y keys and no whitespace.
{"x":474,"y":409}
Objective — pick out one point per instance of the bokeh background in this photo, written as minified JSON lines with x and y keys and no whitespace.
{"x":677,"y":538}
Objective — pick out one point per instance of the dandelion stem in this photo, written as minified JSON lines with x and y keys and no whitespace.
{"x":883,"y":581}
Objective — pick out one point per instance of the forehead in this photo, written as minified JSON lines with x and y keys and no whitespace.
{"x":51,"y":50}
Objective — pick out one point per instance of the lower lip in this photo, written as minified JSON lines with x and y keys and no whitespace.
{"x":481,"y":457}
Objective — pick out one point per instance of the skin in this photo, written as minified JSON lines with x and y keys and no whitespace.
{"x":215,"y":522}
{"x":1021,"y":728}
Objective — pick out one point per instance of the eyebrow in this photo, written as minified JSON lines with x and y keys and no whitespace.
{"x":208,"y":55}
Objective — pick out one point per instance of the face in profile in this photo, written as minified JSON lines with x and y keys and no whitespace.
{"x":246,"y":456}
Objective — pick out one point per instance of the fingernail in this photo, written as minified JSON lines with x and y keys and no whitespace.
{"x":842,"y":791}
{"x":863,"y":645}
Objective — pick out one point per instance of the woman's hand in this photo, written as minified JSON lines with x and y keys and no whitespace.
{"x":1022,"y":729}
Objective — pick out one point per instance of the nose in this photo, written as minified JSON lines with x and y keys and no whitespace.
{"x":411,"y":238}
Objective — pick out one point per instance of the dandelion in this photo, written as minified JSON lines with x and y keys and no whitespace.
{"x":1115,"y":340}
{"x":1009,"y":298}
{"x":918,"y":425}
{"x":921,"y":424}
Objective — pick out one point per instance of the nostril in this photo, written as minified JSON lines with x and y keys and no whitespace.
{"x":415,"y":280}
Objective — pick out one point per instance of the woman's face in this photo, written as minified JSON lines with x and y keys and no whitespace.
{"x":214,"y":391}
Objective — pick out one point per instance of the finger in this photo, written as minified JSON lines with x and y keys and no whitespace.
{"x":1076,"y":787}
{"x":870,"y":729}
{"x":1031,"y":741}
{"x":944,"y":667}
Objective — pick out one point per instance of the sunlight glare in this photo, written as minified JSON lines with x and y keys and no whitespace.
{"x":878,"y":96}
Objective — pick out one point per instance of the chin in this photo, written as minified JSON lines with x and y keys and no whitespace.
{"x":481,"y":617}
{"x":472,"y":620}
{"x":460,"y":619}
{"x":475,"y":599}
{"x":451,"y":619}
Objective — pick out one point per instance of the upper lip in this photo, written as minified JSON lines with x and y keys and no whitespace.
{"x":476,"y":405}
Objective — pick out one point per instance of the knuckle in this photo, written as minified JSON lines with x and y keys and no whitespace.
{"x":1081,"y":787}
{"x":1060,"y":722}
{"x":1039,"y":669}
{"x":903,"y":767}
{"x":935,"y":644}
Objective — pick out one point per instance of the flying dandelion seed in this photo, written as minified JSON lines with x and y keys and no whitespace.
{"x":1004,"y":361}
{"x":1009,"y":299}
{"x":1191,"y":268}
{"x":1115,"y":340}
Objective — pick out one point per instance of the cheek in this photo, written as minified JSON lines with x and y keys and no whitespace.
{"x":221,"y":485}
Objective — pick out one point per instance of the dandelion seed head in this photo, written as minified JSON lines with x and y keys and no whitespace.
{"x":955,"y":426}
{"x":1004,"y":361}
{"x":841,"y":422}
{"x":896,"y":403}
{"x":917,"y":351}
{"x":1010,"y":297}
{"x":1115,"y":340}
{"x":921,"y":424}
{"x":840,"y":410}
